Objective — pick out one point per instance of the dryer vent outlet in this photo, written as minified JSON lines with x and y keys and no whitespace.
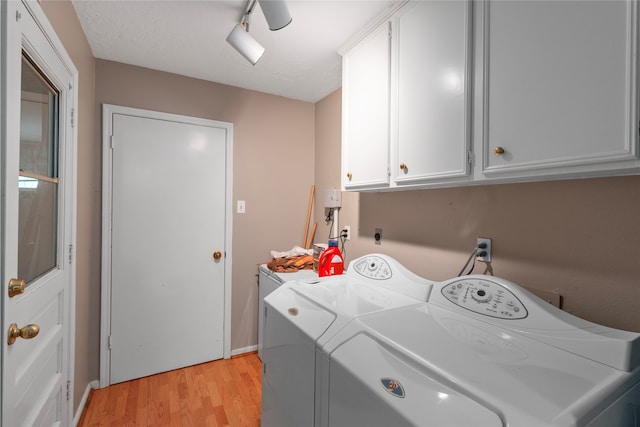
{"x":483,"y":249}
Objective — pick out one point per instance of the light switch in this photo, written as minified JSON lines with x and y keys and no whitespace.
{"x":241,"y":206}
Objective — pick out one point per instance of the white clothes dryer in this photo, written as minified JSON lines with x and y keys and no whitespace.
{"x":482,"y":352}
{"x":303,"y":315}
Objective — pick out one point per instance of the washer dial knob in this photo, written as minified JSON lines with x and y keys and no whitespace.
{"x":481,"y":295}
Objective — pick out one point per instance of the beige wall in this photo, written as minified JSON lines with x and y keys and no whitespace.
{"x":578,"y":237}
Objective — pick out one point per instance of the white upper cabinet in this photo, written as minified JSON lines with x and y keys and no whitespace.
{"x":560,"y":87}
{"x":477,"y":92}
{"x":431,"y":110}
{"x":405,"y":103}
{"x":365,"y":111}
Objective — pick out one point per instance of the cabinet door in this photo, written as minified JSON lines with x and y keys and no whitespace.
{"x":559,"y":88}
{"x":365,"y":112}
{"x":432,"y":113}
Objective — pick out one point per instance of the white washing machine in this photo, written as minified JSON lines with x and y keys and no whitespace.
{"x":482,"y":352}
{"x":269,"y":281}
{"x":303,"y":315}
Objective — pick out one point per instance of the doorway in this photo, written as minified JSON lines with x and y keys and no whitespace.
{"x":166,"y":272}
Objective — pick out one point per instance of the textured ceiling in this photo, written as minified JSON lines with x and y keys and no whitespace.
{"x":189,"y":38}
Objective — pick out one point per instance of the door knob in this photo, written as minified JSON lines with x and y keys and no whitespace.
{"x":498,"y":151}
{"x":16,"y":287}
{"x":217,"y":255}
{"x":28,"y":332}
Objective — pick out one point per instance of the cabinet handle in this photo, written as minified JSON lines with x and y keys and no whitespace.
{"x":349,"y":175}
{"x":498,"y":151}
{"x":403,"y":166}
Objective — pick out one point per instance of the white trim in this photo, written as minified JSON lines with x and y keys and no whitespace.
{"x":386,"y":14}
{"x":93,"y":385}
{"x":108,"y":111}
{"x":244,"y":350}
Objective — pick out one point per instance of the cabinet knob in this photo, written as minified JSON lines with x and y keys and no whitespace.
{"x":403,"y":166}
{"x":349,"y":175}
{"x":498,"y":151}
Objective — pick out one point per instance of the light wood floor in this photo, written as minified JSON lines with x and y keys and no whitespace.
{"x":219,"y":393}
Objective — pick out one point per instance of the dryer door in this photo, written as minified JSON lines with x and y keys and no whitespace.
{"x":373,"y":386}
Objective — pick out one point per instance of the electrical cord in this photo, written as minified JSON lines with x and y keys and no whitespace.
{"x":343,"y":241}
{"x":473,"y":254}
{"x":489,"y":269}
{"x":477,"y":251}
{"x":329,"y":217}
{"x":329,"y":220}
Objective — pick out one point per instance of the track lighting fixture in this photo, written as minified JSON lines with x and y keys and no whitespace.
{"x":246,"y":45}
{"x":276,"y":13}
{"x":277,"y":16}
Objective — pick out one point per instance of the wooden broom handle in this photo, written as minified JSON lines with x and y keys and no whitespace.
{"x":306,"y":227}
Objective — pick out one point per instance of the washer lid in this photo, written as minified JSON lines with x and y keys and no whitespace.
{"x":312,"y":319}
{"x":530,"y":382}
{"x":350,"y":297}
{"x":373,"y":385}
{"x":346,"y":298}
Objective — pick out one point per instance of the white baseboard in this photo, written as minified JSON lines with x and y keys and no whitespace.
{"x":91,"y":386}
{"x":249,"y":349}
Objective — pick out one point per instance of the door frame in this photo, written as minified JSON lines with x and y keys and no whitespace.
{"x":70,"y":160}
{"x":108,"y":110}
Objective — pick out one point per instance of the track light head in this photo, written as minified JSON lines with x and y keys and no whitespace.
{"x":276,"y":13}
{"x":246,"y":45}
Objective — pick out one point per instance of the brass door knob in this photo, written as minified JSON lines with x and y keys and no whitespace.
{"x":403,"y":166}
{"x":28,"y":332}
{"x":349,"y":175}
{"x":498,"y":151}
{"x":217,"y":255}
{"x":16,"y":287}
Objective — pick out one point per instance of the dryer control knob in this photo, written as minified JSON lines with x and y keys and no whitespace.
{"x":481,"y":295}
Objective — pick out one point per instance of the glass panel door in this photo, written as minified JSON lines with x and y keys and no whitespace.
{"x":38,"y":180}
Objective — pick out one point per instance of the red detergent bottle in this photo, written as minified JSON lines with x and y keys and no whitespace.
{"x":331,"y":262}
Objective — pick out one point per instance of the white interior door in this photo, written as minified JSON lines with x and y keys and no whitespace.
{"x":38,"y":215}
{"x":168,"y":241}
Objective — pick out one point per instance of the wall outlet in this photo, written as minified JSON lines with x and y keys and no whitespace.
{"x":483,"y":246}
{"x":346,"y":232}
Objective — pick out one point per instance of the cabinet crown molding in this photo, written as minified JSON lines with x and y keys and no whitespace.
{"x":387,"y":13}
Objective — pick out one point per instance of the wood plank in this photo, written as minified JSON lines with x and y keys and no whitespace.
{"x":217,"y":394}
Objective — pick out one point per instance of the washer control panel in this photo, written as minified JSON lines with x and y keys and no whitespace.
{"x":485,"y":297}
{"x":373,"y":267}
